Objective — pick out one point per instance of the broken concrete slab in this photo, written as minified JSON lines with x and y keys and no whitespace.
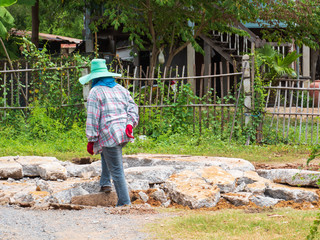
{"x":65,"y":196}
{"x":181,"y":160}
{"x":293,"y":177}
{"x":52,"y":171}
{"x":153,"y":174}
{"x":279,"y":191}
{"x":137,"y":184}
{"x":98,"y":199}
{"x":159,"y":195}
{"x":188,"y":189}
{"x":217,"y":176}
{"x":238,"y":199}
{"x":263,"y":201}
{"x":9,"y":168}
{"x":254,"y":183}
{"x":30,"y":164}
{"x":84,"y":170}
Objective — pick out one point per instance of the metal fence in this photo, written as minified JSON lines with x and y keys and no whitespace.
{"x":293,"y":110}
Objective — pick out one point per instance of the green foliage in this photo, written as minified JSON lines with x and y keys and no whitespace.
{"x":52,"y":88}
{"x":315,"y":152}
{"x":6,"y":19}
{"x":275,"y":64}
{"x":55,"y":18}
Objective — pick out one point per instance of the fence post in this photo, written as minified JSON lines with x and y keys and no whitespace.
{"x":86,"y":87}
{"x":247,"y":88}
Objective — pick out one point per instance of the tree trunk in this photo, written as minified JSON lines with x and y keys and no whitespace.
{"x":35,"y":24}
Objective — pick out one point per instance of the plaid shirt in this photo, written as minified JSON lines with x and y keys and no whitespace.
{"x":109,"y":110}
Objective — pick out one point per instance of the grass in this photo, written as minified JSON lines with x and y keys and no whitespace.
{"x":66,"y":147}
{"x":235,"y":224}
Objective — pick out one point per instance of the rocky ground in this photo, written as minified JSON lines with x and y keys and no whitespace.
{"x":44,"y":198}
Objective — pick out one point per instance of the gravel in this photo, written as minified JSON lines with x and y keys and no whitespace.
{"x":18,"y":223}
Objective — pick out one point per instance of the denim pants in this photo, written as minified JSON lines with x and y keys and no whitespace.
{"x":105,"y":178}
{"x":113,"y":159}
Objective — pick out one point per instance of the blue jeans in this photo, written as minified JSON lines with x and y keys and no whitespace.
{"x":105,"y":178}
{"x":113,"y":159}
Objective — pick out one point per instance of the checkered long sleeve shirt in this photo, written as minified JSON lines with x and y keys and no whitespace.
{"x":109,"y":110}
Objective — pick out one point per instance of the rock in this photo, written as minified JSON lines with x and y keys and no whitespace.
{"x":154,"y":174}
{"x":238,"y":199}
{"x":188,"y":189}
{"x":293,"y":177}
{"x":217,"y":176}
{"x":65,"y":196}
{"x":182,"y":160}
{"x":30,"y":164}
{"x":291,"y":193}
{"x":240,"y":188}
{"x":166,"y":204}
{"x":21,"y":197}
{"x":144,"y":197}
{"x":52,"y":171}
{"x":254,"y":183}
{"x":98,"y":199}
{"x":9,"y":168}
{"x":262,"y":201}
{"x":84,"y":171}
{"x":134,"y":184}
{"x":237,"y":174}
{"x":235,"y":164}
{"x":42,"y":185}
{"x":89,"y":186}
{"x":159,"y":195}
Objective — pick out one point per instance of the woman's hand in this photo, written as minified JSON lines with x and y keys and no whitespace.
{"x":90,"y":147}
{"x":129,"y":131}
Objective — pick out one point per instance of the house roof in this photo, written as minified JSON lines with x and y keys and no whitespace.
{"x":46,"y":36}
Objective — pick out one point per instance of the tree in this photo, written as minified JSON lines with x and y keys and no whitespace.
{"x":55,"y":17}
{"x":173,"y":24}
{"x":6,"y":21}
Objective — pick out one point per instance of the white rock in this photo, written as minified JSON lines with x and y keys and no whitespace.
{"x":21,"y":197}
{"x":52,"y":171}
{"x":9,"y":168}
{"x":293,"y":177}
{"x":262,"y":201}
{"x":84,"y":170}
{"x":159,"y":195}
{"x":65,"y":196}
{"x":30,"y":164}
{"x":238,"y":199}
{"x":217,"y":176}
{"x":188,"y":189}
{"x":89,"y":186}
{"x":291,"y":193}
{"x":134,"y":184}
{"x":43,"y":186}
{"x":166,"y":204}
{"x":254,"y":183}
{"x":154,"y":174}
{"x":144,"y":197}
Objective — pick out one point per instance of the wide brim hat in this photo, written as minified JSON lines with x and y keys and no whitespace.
{"x":98,"y":69}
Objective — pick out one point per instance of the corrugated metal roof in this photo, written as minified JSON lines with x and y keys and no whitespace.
{"x":46,"y":36}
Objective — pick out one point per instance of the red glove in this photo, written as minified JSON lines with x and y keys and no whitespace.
{"x":129,"y":131}
{"x":90,"y":147}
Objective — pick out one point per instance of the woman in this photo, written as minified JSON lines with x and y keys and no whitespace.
{"x":111,"y":116}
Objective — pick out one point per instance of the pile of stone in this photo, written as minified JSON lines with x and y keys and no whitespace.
{"x":187,"y":180}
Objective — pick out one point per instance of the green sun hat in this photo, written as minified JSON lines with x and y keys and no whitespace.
{"x":98,"y":69}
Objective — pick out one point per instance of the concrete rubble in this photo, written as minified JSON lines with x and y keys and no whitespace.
{"x":193,"y":181}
